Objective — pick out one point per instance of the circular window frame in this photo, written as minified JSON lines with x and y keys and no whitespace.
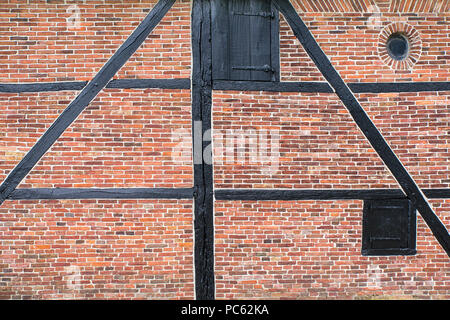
{"x":414,"y":50}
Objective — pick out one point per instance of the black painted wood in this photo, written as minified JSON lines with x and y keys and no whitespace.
{"x":84,"y":98}
{"x":42,"y":86}
{"x":389,"y":228}
{"x":260,"y":44}
{"x":220,"y":194}
{"x":265,"y":194}
{"x":275,"y":43}
{"x":220,"y":25}
{"x":335,"y":194}
{"x":324,"y":87}
{"x":240,"y":44}
{"x":269,"y":86}
{"x":203,"y":170}
{"x":107,"y":193}
{"x":437,"y":193}
{"x":79,"y":85}
{"x":360,"y":117}
{"x":385,"y":87}
{"x":245,"y":42}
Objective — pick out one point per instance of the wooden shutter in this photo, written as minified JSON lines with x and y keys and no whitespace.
{"x":388,"y":227}
{"x":245,"y":40}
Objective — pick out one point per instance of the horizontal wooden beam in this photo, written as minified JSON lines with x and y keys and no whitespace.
{"x":220,"y":194}
{"x":184,"y":83}
{"x":42,"y":86}
{"x":107,"y":193}
{"x":324,"y":87}
{"x":387,"y":87}
{"x":325,"y":194}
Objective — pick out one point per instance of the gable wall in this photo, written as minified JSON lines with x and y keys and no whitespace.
{"x":141,"y":138}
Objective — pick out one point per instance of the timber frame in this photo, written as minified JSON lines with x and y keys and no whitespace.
{"x":202,"y":85}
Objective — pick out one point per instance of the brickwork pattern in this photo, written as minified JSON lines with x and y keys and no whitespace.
{"x":143,"y":249}
{"x":96,"y":249}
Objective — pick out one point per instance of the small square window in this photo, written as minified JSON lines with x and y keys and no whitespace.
{"x":389,"y":228}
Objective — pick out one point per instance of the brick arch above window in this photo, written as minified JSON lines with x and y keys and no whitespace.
{"x":415,"y":46}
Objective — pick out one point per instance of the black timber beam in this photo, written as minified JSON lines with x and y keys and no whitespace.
{"x":79,"y":85}
{"x":324,"y":87}
{"x":203,"y":170}
{"x":226,"y":85}
{"x":325,"y":194}
{"x":42,"y":86}
{"x":85,"y":97}
{"x":368,"y":128}
{"x":220,"y":194}
{"x":105,"y":193}
{"x":387,"y":87}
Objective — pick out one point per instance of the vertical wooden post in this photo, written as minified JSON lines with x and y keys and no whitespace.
{"x":202,"y":156}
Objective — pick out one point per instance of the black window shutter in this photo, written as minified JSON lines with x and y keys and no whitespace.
{"x":389,"y":228}
{"x":245,"y":40}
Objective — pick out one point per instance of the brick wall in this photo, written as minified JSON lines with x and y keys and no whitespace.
{"x":71,"y":40}
{"x":102,"y":249}
{"x":321,"y":147}
{"x":24,"y":118}
{"x":312,"y":250}
{"x":351,"y":42}
{"x":123,"y":139}
{"x":143,"y":249}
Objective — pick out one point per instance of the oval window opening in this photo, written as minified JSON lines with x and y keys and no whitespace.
{"x":398,"y":46}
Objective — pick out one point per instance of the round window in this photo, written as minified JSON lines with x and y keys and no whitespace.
{"x":398,"y":46}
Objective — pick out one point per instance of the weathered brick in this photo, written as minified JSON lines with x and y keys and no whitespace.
{"x":143,"y":249}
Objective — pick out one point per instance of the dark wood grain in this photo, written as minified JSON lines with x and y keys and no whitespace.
{"x":203,"y":170}
{"x":268,"y":86}
{"x":108,"y":193}
{"x":325,"y":194}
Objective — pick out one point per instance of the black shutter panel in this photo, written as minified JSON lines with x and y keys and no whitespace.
{"x":386,"y":221}
{"x":388,"y":227}
{"x":240,"y":40}
{"x":220,"y":30}
{"x":245,"y":40}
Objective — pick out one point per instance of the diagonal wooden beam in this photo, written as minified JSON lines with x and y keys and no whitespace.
{"x":85,"y":97}
{"x":404,"y":179}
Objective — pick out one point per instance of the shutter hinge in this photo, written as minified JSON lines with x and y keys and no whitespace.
{"x":265,"y":68}
{"x":256,"y":14}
